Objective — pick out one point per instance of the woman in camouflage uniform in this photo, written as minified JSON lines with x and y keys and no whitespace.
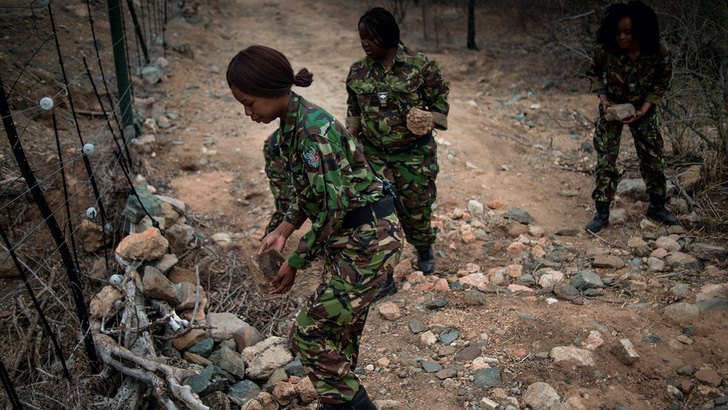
{"x":382,"y":87}
{"x":353,"y":224}
{"x":630,"y":66}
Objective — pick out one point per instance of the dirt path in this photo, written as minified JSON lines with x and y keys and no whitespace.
{"x":213,"y":160}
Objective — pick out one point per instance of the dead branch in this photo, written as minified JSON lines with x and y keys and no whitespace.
{"x":683,"y":193}
{"x":604,"y":240}
{"x":197,"y":295}
{"x":702,"y":136}
{"x":576,"y":17}
{"x":163,"y":378}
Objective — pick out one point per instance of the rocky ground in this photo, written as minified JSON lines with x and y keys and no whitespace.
{"x":526,"y":309}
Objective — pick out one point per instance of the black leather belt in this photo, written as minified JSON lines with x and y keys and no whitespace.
{"x":414,"y":144}
{"x":366,"y":214}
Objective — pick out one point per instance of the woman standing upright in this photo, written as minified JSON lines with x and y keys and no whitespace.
{"x":383,"y":86}
{"x":353,"y":224}
{"x":630,"y":66}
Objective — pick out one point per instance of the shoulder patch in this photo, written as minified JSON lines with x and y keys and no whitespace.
{"x":311,"y":157}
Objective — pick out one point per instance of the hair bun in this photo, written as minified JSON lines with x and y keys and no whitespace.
{"x":304,"y":78}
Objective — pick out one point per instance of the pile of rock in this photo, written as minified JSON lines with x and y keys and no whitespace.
{"x":151,"y":323}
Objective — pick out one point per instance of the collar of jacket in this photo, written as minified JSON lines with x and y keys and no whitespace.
{"x":288,"y":126}
{"x":402,"y":52}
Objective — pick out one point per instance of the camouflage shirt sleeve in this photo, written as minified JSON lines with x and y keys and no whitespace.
{"x":278,"y":180}
{"x":353,"y":111}
{"x":596,"y":71}
{"x":324,"y":195}
{"x":663,"y":75}
{"x":435,"y":92}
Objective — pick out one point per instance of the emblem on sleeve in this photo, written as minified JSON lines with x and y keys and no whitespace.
{"x":311,"y":158}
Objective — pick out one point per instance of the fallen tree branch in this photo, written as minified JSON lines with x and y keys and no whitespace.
{"x":149,"y":372}
{"x":197,"y":295}
{"x":684,"y":193}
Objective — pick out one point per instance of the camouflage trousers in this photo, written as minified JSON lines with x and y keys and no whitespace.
{"x":647,"y":141}
{"x":413,"y":173}
{"x":327,"y":331}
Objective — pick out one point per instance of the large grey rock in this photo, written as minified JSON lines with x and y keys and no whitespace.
{"x":681,"y":312}
{"x":217,"y":400}
{"x":619,"y":112}
{"x":247,"y":336}
{"x":468,"y":354}
{"x":587,"y":280}
{"x":580,"y":357}
{"x":137,"y":204}
{"x":231,"y":361}
{"x":181,"y":237}
{"x":679,"y":260}
{"x":295,"y":368}
{"x":519,"y":215}
{"x":625,"y":352}
{"x":638,"y":246}
{"x":541,"y":396}
{"x":708,"y":252}
{"x":416,"y":326}
{"x":549,"y":278}
{"x":448,"y":336}
{"x":151,"y":74}
{"x":242,"y":392}
{"x":632,"y":188}
{"x":203,"y":347}
{"x":667,"y":243}
{"x":166,"y":263}
{"x":266,"y":356}
{"x":608,"y":262}
{"x":431,"y":366}
{"x":199,"y":382}
{"x":487,"y":377}
{"x":177,"y":205}
{"x":655,"y":264}
{"x":157,"y":286}
{"x":713,"y":305}
{"x":224,"y":325}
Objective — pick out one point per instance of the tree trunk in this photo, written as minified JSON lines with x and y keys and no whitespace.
{"x":471,"y":25}
{"x":424,"y":20}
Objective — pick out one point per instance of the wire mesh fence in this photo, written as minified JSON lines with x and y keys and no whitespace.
{"x":67,"y":83}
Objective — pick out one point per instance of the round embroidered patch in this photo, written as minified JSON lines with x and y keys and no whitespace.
{"x":311,"y":157}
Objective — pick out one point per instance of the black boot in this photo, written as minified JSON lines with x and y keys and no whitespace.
{"x":658,"y":213}
{"x":601,"y":219}
{"x":425,"y":259}
{"x":389,"y":288}
{"x":361,"y":401}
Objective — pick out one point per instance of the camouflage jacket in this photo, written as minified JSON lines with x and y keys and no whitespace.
{"x":379,"y":98}
{"x":328,"y":175}
{"x":280,"y":184}
{"x":624,"y":80}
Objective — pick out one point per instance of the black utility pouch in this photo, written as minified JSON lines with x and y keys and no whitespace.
{"x":391,"y":190}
